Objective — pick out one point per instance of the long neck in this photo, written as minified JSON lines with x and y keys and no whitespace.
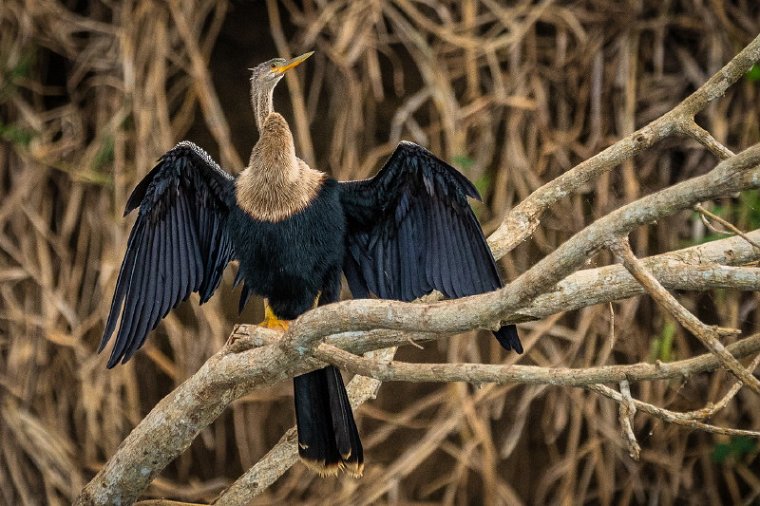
{"x":276,"y":184}
{"x":261,"y":101}
{"x":274,"y":155}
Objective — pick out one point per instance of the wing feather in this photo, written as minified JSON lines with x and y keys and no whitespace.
{"x":380,"y":273}
{"x":411,"y":230}
{"x":134,"y":301}
{"x":147,"y":294}
{"x":120,"y":292}
{"x":165,"y":272}
{"x":367,"y":266}
{"x":178,"y":245}
{"x":164,"y":265}
{"x":153,"y":293}
{"x":392,"y":271}
{"x":409,"y":250}
{"x":190,"y":254}
{"x":461,"y":264}
{"x":188,"y":248}
{"x":433,"y":264}
{"x":450,"y":276}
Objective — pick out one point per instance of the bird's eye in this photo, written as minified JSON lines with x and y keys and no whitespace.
{"x":272,"y":65}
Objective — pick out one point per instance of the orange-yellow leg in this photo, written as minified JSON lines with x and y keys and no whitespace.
{"x":271,"y":321}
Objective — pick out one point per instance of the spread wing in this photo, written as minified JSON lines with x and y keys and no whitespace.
{"x":411,"y":230}
{"x":178,"y":245}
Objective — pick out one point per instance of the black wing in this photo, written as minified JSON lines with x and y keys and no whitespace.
{"x":411,"y":230}
{"x":178,"y":245}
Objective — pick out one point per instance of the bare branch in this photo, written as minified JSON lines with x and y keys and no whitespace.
{"x":707,"y":214}
{"x":524,"y":218}
{"x":672,"y":416}
{"x":529,"y":374}
{"x":285,"y":453}
{"x":626,"y":411}
{"x":702,"y":136}
{"x":708,"y":335}
{"x":712,"y":408}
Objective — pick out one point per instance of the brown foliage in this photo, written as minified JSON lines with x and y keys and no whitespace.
{"x":91,"y":93}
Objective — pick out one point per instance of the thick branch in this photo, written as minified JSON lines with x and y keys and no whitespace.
{"x":695,"y":268}
{"x":607,"y":284}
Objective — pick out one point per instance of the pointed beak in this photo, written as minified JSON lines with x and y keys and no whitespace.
{"x":292,"y":63}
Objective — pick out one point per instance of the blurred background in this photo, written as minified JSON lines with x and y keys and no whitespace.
{"x":512,"y":93}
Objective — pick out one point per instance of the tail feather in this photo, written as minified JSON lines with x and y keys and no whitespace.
{"x":347,"y":440}
{"x":508,"y":338}
{"x":328,"y":440}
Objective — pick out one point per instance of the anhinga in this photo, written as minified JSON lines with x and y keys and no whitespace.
{"x":293,"y":230}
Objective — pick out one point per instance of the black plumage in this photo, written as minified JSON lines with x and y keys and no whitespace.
{"x":293,"y":260}
{"x":178,"y":245}
{"x":399,"y":235}
{"x":411,"y":230}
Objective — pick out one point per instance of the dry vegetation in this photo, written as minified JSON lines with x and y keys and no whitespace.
{"x":91,"y":93}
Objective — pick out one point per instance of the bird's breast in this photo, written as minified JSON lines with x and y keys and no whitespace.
{"x":301,"y":246}
{"x":271,"y":193}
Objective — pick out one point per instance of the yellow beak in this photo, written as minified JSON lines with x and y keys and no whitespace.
{"x":292,"y":63}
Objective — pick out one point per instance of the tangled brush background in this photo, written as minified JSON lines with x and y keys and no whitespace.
{"x":92,"y":92}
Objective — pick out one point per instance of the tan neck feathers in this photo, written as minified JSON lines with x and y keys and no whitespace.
{"x":261,"y":101}
{"x":276,"y":184}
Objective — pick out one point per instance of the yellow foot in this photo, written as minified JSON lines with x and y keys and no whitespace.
{"x":271,"y":321}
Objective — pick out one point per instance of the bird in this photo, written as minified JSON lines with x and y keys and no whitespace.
{"x":294,"y":231}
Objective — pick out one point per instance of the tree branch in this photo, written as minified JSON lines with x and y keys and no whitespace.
{"x":708,"y":335}
{"x":672,"y":416}
{"x":533,"y":375}
{"x":523,"y":219}
{"x":704,"y":213}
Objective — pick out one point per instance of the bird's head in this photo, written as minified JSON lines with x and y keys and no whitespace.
{"x":266,"y":75}
{"x":264,"y":78}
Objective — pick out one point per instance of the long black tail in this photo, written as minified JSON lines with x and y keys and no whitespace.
{"x":327,"y":437}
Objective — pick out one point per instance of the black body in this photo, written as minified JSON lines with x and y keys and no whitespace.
{"x":291,"y":261}
{"x":405,"y":232}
